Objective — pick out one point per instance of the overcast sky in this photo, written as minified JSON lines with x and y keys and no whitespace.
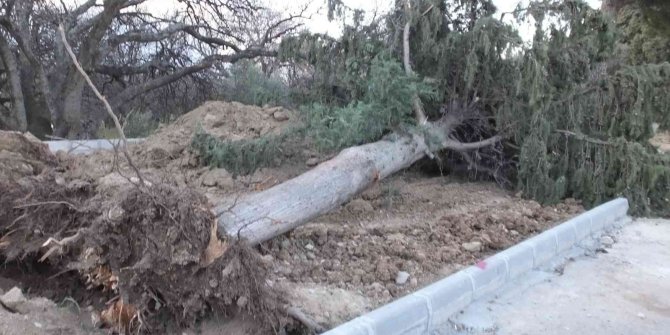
{"x":319,"y":23}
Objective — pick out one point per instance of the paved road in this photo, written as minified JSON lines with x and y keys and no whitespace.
{"x":624,"y":291}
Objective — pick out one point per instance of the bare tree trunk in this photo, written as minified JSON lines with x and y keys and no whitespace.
{"x":72,"y":95}
{"x":37,"y":112}
{"x":262,"y":216}
{"x":17,"y":119}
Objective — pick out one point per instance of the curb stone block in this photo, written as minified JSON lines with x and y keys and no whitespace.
{"x":566,"y":237}
{"x":545,"y":246}
{"x":520,"y":259}
{"x":488,"y":276}
{"x":354,"y":327}
{"x":409,"y":316}
{"x":446,"y":297}
{"x":581,"y":225}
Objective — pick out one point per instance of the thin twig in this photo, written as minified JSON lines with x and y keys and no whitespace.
{"x":582,"y":137}
{"x":102,"y":98}
{"x":47,"y":203}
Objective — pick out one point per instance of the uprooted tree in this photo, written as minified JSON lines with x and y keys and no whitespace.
{"x":128,"y":50}
{"x":559,"y":118}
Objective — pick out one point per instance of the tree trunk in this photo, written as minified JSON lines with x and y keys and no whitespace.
{"x":261,"y":216}
{"x":38,"y":112}
{"x":17,"y":118}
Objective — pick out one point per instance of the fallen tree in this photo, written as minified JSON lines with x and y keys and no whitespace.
{"x":261,"y":216}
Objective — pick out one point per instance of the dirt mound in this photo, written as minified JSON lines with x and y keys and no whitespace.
{"x":427,"y":228}
{"x":22,"y":155}
{"x":224,"y":120}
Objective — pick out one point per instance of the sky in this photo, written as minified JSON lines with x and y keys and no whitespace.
{"x":319,"y":23}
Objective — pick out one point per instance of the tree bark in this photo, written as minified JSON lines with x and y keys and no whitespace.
{"x":17,"y":119}
{"x":261,"y":216}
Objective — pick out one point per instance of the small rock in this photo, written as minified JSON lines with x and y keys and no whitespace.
{"x":96,"y":321}
{"x":322,"y":236}
{"x":641,"y":316}
{"x":32,"y":138}
{"x":401,"y":278}
{"x":472,"y":246}
{"x":284,"y":255}
{"x":309,"y":246}
{"x":311,"y":255}
{"x":77,"y":185}
{"x":414,"y":282}
{"x":242,"y":301}
{"x":213,"y":283}
{"x":312,"y":161}
{"x":38,"y":325}
{"x":285,"y":244}
{"x":514,"y":232}
{"x":280,"y":115}
{"x":267,"y":259}
{"x":359,"y":206}
{"x":217,"y":177}
{"x":377,"y":287}
{"x":607,"y":241}
{"x":14,"y":298}
{"x":372,"y":193}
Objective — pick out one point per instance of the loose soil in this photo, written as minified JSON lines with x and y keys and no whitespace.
{"x":408,"y":223}
{"x":339,"y":266}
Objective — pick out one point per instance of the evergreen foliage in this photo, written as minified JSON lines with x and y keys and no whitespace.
{"x":385,"y":104}
{"x":576,"y":121}
{"x":241,"y":157}
{"x":645,"y":31}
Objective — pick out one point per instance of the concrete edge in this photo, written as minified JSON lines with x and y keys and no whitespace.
{"x":86,"y":146}
{"x":425,"y":310}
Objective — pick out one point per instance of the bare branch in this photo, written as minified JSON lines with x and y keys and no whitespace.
{"x":582,"y":137}
{"x":419,"y":113}
{"x":134,"y":91}
{"x":104,"y":101}
{"x":460,"y":146}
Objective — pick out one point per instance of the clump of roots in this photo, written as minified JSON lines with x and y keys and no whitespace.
{"x":155,"y":248}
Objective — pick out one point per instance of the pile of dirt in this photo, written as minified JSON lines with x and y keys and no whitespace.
{"x":427,"y":228}
{"x":224,"y":120}
{"x":22,"y":155}
{"x":165,"y":156}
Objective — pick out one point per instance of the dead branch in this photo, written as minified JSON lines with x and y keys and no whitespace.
{"x":312,"y":325}
{"x":460,"y":146}
{"x":582,"y":137}
{"x":102,"y":98}
{"x":65,"y":203}
{"x":59,"y":245}
{"x":419,"y":113}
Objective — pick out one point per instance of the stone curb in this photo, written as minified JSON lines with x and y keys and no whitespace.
{"x":86,"y":146}
{"x":425,"y":310}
